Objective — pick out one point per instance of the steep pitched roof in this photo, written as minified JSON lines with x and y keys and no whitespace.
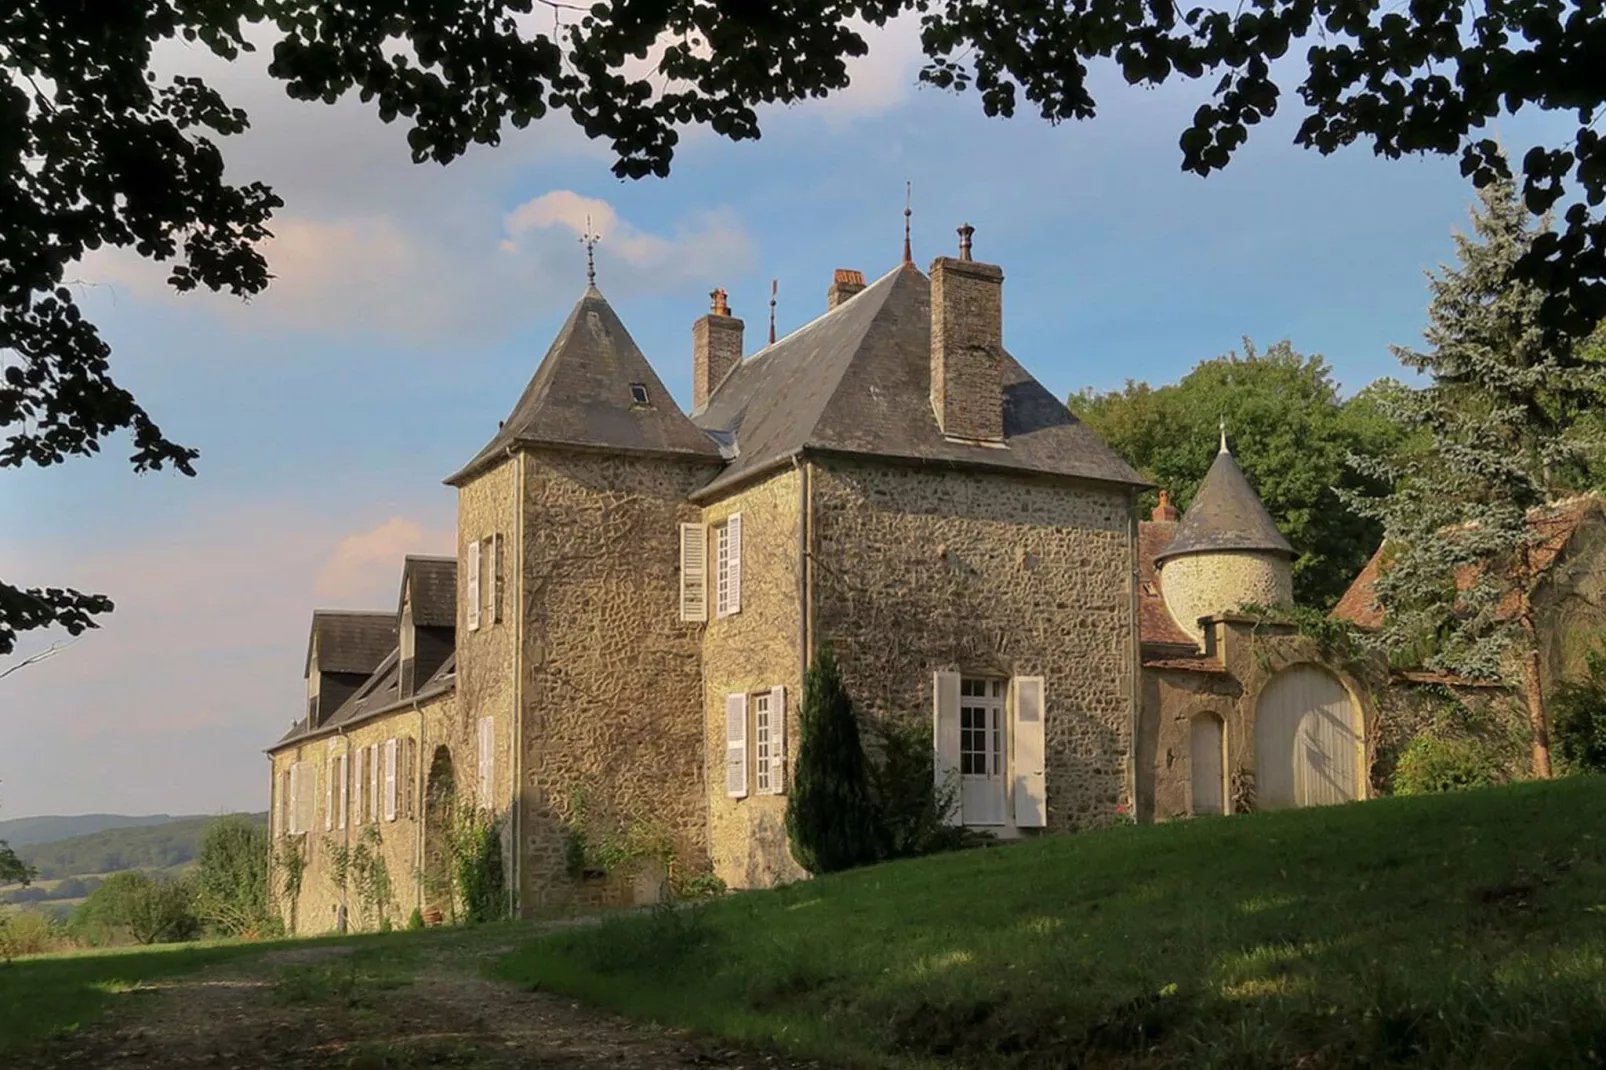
{"x":1226,"y":514}
{"x":1156,"y":626}
{"x":1555,"y":525}
{"x":581,"y":395}
{"x":434,"y":584}
{"x":350,"y":640}
{"x":378,"y":695}
{"x":858,"y":380}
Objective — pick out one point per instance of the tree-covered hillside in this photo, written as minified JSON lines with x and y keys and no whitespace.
{"x":113,"y":850}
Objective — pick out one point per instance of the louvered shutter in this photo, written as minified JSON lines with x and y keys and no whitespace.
{"x":487,"y":759}
{"x":329,"y":796}
{"x":390,"y":779}
{"x":945,"y":739}
{"x":733,"y":600}
{"x":736,"y":746}
{"x":1030,"y":785}
{"x":357,"y":785}
{"x":340,"y":806}
{"x":693,"y":572}
{"x":373,"y":782}
{"x":777,"y":740}
{"x":474,"y":586}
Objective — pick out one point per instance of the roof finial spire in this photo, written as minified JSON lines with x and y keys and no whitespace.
{"x":775,"y":284}
{"x":1224,"y":434}
{"x":908,"y":197}
{"x":590,"y":240}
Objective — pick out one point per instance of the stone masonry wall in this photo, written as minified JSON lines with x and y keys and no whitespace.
{"x":487,"y":667}
{"x":918,"y":571}
{"x":748,"y":652}
{"x":612,"y":676}
{"x":967,"y":321}
{"x":399,"y":841}
{"x":1172,"y":698}
{"x":1202,"y":585}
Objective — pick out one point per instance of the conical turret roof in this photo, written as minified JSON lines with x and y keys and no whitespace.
{"x":1226,"y":514}
{"x":585,"y":393}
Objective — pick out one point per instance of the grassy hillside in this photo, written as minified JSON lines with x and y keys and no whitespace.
{"x":1451,"y":931}
{"x":162,"y":846}
{"x":22,"y":831}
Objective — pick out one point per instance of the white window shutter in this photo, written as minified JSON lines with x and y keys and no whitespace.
{"x":329,"y":797}
{"x":390,"y":779}
{"x":693,"y":572}
{"x":487,"y":759}
{"x":1030,"y":786}
{"x":474,"y":586}
{"x":736,"y":746}
{"x":340,"y":806}
{"x":945,"y":737}
{"x":373,"y":782}
{"x":734,"y":571}
{"x":357,"y":784}
{"x":777,"y":740}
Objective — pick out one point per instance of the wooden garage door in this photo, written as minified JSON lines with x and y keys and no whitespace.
{"x":1307,"y":741}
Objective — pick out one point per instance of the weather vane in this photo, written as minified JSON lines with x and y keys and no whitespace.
{"x":908,"y":196}
{"x":590,"y":240}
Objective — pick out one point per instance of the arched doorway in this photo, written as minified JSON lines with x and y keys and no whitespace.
{"x":1207,"y":764}
{"x":1307,"y":741}
{"x":440,"y":796}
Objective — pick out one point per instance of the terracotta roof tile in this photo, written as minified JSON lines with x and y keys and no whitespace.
{"x":1156,"y":626}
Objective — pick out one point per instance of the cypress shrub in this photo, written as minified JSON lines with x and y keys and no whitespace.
{"x":830,"y":815}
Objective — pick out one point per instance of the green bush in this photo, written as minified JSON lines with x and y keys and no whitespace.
{"x":477,"y":871}
{"x":1578,"y":718}
{"x":146,"y":909}
{"x":910,"y":810}
{"x":30,"y":932}
{"x":415,"y":920}
{"x":231,"y":882}
{"x":830,"y":815}
{"x":1432,"y":764}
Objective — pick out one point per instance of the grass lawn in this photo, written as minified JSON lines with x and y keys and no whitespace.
{"x":1465,"y":930}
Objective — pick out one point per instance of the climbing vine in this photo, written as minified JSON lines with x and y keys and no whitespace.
{"x":1338,"y":642}
{"x":361,"y":867}
{"x":594,"y":846}
{"x":474,"y":839}
{"x":291,"y":862}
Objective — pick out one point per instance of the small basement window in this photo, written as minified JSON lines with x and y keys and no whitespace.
{"x":638,"y":393}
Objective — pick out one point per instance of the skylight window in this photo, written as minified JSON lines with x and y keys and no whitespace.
{"x":638,"y":393}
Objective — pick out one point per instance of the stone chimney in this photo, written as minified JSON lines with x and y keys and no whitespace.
{"x":716,"y":348}
{"x":1165,"y":512}
{"x":967,"y":345}
{"x":844,"y":285}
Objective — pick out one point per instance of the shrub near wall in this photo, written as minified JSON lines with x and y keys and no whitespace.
{"x":1445,"y":737}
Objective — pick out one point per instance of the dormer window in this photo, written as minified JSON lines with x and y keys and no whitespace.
{"x":638,"y":393}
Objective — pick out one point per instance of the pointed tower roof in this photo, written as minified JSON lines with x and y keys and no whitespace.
{"x":588,"y":392}
{"x":1226,"y":514}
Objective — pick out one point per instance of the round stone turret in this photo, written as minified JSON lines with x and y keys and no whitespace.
{"x":1227,"y":551}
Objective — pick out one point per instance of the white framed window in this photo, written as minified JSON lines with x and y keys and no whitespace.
{"x":373,"y":782}
{"x":390,"y":779}
{"x":493,"y":596}
{"x":340,"y":791}
{"x":981,"y":727}
{"x":475,"y":555}
{"x":728,"y":566}
{"x":762,"y":743}
{"x":357,"y":783}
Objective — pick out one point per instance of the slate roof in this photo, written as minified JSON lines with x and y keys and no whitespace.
{"x":1226,"y":514}
{"x":434,"y":583}
{"x":1555,"y":524}
{"x":377,"y":695}
{"x":858,"y":380}
{"x":350,"y":640}
{"x":580,"y":395}
{"x":1156,"y":626}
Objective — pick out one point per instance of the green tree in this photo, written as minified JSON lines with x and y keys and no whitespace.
{"x":830,"y":816}
{"x":1500,"y":436}
{"x":13,"y":870}
{"x":231,"y":878}
{"x":1289,"y":429}
{"x":100,"y":151}
{"x":148,"y":909}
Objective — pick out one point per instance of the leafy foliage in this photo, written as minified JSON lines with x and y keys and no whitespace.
{"x":910,"y":808}
{"x":1501,"y":437}
{"x":1431,"y":764}
{"x":361,"y":868}
{"x":136,"y":847}
{"x":1291,"y":433}
{"x":1578,"y":710}
{"x":231,"y":881}
{"x":146,"y":909}
{"x":830,"y":815}
{"x":101,"y":152}
{"x":30,"y":932}
{"x":477,"y":864}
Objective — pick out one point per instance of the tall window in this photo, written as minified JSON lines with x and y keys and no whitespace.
{"x":722,"y":569}
{"x":981,"y":727}
{"x":763,"y":742}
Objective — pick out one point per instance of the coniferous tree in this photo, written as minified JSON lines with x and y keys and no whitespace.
{"x":1500,"y":436}
{"x":830,"y":816}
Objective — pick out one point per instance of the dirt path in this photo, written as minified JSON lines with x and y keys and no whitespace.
{"x":325,"y":1008}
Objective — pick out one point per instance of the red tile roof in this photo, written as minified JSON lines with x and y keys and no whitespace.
{"x":1155,"y":624}
{"x":1555,"y":523}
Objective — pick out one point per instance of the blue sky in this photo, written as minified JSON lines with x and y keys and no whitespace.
{"x":412,"y":304}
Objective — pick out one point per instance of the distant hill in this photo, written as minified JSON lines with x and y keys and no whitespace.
{"x":171,"y":842}
{"x":22,"y":831}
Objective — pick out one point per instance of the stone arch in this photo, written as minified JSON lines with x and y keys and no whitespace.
{"x":1309,"y":740}
{"x":1207,"y":763}
{"x":440,"y":799}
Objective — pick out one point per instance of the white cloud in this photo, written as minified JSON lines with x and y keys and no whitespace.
{"x":169,"y":704}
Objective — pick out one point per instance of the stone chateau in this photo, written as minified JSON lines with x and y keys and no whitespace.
{"x":616,"y":651}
